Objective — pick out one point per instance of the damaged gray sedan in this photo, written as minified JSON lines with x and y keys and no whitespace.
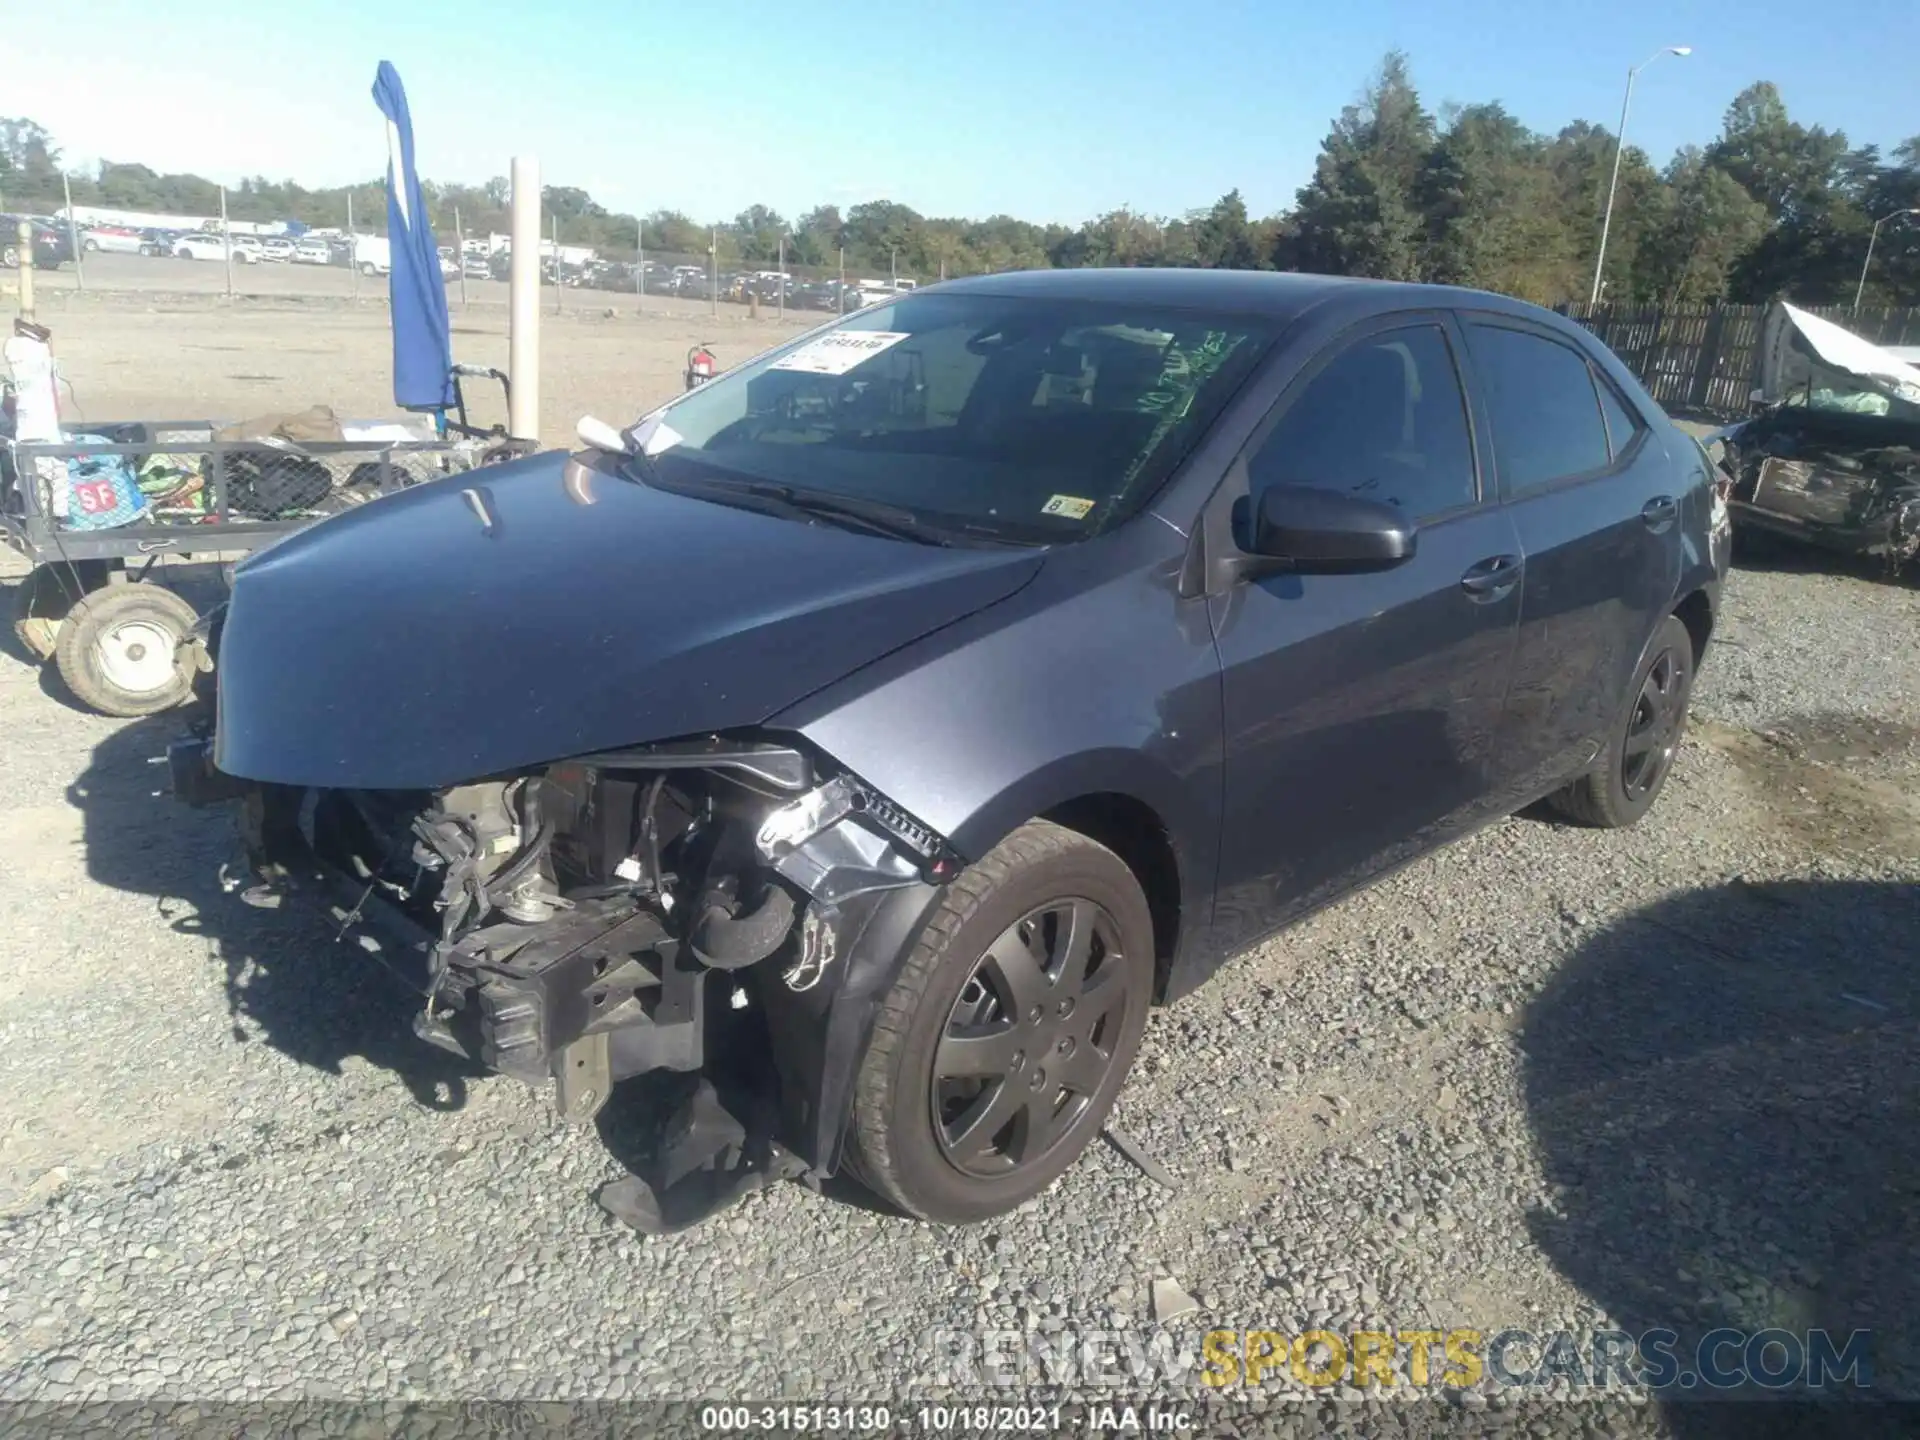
{"x":1833,"y":457}
{"x":878,"y":730}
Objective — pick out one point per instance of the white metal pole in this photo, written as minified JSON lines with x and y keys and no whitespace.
{"x":1861,"y":289}
{"x":523,"y":302}
{"x":1606,"y":216}
{"x":1619,"y":149}
{"x":73,"y":233}
{"x":226,"y":240}
{"x":23,"y":245}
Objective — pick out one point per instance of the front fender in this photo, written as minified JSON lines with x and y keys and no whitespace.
{"x":819,"y":1035}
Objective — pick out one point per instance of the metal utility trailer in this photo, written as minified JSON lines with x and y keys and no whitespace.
{"x":93,"y":604}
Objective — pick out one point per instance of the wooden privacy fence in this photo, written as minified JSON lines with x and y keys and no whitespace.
{"x":1704,"y":357}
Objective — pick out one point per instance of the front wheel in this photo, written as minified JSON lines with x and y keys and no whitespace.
{"x":118,"y":650}
{"x":10,"y":257}
{"x":1634,"y":766}
{"x":999,"y":1050}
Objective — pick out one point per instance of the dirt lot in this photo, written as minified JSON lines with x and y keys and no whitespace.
{"x":1550,"y":1077}
{"x":156,"y":339}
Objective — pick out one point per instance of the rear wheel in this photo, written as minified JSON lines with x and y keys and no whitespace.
{"x":9,"y":257}
{"x":1633,"y":769}
{"x":1001,"y":1047}
{"x":118,"y":650}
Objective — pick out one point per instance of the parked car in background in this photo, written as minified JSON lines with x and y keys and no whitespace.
{"x":51,"y":246}
{"x":1187,"y":602}
{"x":112,"y":240}
{"x":475,"y":267}
{"x":158,"y":242}
{"x":198,"y":245}
{"x":313,"y":252}
{"x":373,"y":254}
{"x":277,"y":248}
{"x":1833,"y":456}
{"x":247,"y":250}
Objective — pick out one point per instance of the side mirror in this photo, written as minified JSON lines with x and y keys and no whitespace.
{"x":1323,"y":532}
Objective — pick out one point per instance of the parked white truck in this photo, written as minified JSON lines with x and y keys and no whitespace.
{"x":372,"y":254}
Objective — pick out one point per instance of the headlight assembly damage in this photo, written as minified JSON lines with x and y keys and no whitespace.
{"x":594,"y":919}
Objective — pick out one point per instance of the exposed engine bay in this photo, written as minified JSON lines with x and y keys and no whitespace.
{"x":1848,"y":482}
{"x":598,"y":918}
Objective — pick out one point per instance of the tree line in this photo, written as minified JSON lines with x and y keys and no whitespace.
{"x":1466,"y":195}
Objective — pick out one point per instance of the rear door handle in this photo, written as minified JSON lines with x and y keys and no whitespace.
{"x":1660,"y":512}
{"x":1491,"y":578}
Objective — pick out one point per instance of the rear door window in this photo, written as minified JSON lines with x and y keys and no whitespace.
{"x":1541,"y":404}
{"x":1385,"y":420}
{"x":1623,"y":425}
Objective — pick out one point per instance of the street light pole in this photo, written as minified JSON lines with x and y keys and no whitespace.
{"x":1861,"y":289}
{"x":1619,"y":148}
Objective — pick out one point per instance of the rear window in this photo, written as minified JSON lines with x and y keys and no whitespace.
{"x":1541,"y":403}
{"x":1029,"y":420}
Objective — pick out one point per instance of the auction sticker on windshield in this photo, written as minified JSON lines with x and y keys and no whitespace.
{"x":839,"y":352}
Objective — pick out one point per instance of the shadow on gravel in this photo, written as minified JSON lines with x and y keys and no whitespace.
{"x":1726,"y":1087}
{"x":1755,"y":549}
{"x":285,"y":983}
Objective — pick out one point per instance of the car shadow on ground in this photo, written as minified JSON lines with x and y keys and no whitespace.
{"x":1725,"y":1090}
{"x":285,"y":983}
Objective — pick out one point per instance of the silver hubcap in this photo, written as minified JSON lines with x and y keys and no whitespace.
{"x":137,"y":656}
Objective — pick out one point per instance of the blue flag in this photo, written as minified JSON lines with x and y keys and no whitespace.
{"x":422,"y":351}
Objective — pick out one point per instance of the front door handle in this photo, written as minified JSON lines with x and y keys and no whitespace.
{"x":1660,"y":512}
{"x":1491,"y":578}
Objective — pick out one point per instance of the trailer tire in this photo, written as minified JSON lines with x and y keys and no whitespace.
{"x":118,"y":650}
{"x":42,"y":600}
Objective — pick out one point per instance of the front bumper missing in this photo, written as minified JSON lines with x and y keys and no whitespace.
{"x":600,"y":992}
{"x":604,"y":989}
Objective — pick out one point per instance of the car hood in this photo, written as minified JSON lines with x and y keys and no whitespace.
{"x":546,"y":608}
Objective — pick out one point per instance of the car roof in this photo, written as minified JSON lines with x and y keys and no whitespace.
{"x":1281,"y":295}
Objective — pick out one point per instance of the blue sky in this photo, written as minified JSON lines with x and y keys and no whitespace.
{"x":1041,"y":110}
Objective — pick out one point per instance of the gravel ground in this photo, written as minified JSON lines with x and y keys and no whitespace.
{"x":1546,"y":1078}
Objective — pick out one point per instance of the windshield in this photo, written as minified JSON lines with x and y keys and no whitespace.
{"x":1023,"y":420}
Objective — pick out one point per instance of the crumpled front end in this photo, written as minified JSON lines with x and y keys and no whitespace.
{"x":1845,"y":482}
{"x":687,"y":906}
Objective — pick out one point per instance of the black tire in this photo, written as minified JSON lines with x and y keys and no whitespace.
{"x":118,"y":650}
{"x":1632,"y":770}
{"x":902,"y":1139}
{"x":42,"y":600}
{"x":9,"y":257}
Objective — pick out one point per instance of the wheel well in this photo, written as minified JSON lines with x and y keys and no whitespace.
{"x":1696,"y":613}
{"x":1131,"y":829}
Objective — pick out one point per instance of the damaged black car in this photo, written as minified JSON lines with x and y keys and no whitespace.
{"x":1833,"y":457}
{"x":880,"y":729}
